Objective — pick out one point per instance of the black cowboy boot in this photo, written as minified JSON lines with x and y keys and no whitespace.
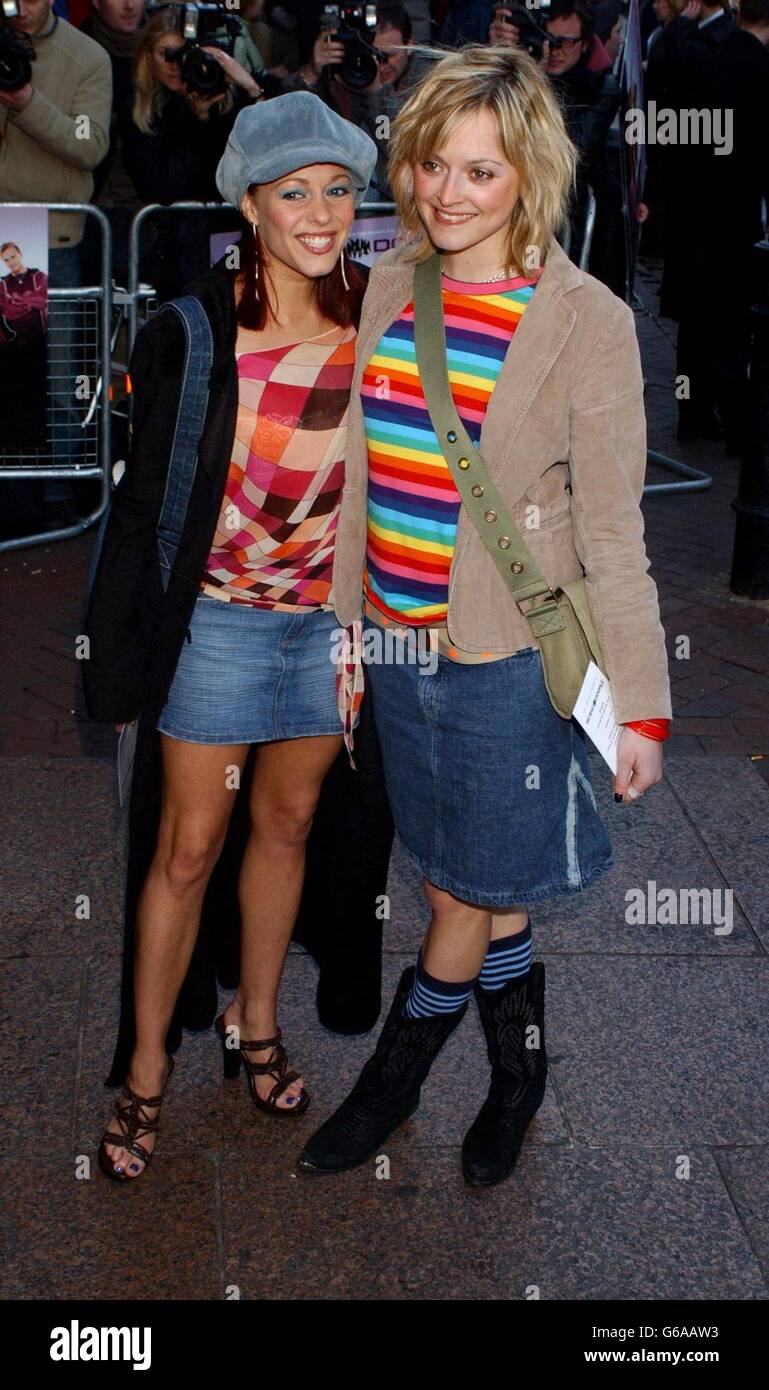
{"x":387,"y":1090}
{"x":518,"y":1073}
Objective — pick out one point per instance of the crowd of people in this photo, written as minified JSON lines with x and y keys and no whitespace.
{"x":152,"y":136}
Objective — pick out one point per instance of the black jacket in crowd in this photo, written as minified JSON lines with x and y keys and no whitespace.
{"x":177,"y":163}
{"x":714,"y":200}
{"x":590,"y":101}
{"x":136,"y":634}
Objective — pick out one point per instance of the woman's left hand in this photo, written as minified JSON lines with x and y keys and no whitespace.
{"x":639,"y":765}
{"x":235,"y":74}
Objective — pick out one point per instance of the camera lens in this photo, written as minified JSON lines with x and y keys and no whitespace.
{"x":15,"y":67}
{"x":201,"y":73}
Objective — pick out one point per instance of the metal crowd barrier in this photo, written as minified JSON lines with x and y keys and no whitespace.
{"x":587,"y":233}
{"x":82,"y":337}
{"x":78,"y":431}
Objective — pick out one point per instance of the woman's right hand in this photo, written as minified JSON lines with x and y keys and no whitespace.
{"x":502,"y":32}
{"x":325,"y":51}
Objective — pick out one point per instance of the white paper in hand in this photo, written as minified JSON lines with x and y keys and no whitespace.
{"x":595,"y":712}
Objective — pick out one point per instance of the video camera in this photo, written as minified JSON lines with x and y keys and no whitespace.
{"x":16,"y":55}
{"x":531,"y":35}
{"x":199,"y":24}
{"x":354,"y":27}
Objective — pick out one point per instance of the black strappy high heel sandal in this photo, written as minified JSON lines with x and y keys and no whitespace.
{"x":137,"y":1126}
{"x":276,"y":1066}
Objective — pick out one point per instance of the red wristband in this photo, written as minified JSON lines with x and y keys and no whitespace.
{"x":658,"y":729}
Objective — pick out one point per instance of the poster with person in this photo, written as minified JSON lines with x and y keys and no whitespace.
{"x":23,"y":327}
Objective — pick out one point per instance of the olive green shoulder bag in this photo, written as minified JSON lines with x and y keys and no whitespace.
{"x":562,"y":622}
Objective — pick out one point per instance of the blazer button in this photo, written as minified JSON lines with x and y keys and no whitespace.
{"x":464,"y":463}
{"x":452,"y":437}
{"x":504,"y":543}
{"x":517,"y":567}
{"x":477,"y":490}
{"x":490,"y":516}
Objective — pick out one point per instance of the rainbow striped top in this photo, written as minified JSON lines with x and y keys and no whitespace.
{"x":413,"y":503}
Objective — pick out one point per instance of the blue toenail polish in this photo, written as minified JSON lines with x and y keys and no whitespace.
{"x":133,"y":1167}
{"x":118,"y":1169}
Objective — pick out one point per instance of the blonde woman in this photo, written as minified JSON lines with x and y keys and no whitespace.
{"x":490,"y":788}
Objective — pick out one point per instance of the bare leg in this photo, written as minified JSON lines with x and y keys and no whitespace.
{"x":508,"y":921}
{"x":459,"y":933}
{"x":457,"y":938}
{"x":196,"y":808}
{"x":286,"y":786}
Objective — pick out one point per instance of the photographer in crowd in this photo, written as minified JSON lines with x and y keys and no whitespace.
{"x":54,"y":130}
{"x":590,"y":100}
{"x":115,"y":25}
{"x":373,"y":107}
{"x":174,"y":143}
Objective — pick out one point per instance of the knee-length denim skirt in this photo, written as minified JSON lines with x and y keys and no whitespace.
{"x":490,"y":788}
{"x":253,"y":675}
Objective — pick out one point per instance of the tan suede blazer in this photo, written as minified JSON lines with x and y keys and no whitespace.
{"x":565,"y":430}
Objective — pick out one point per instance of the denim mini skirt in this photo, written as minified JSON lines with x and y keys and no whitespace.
{"x":490,"y":789}
{"x":253,"y":675}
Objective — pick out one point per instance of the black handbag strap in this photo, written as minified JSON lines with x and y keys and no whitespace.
{"x":190,"y":419}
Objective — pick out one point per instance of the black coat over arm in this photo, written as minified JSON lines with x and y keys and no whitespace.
{"x":136,"y":634}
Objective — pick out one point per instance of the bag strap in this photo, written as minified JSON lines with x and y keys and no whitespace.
{"x":190,"y":419}
{"x":479,"y":494}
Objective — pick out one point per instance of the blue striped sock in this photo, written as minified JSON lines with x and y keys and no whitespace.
{"x":506,"y":959}
{"x":430,"y":998}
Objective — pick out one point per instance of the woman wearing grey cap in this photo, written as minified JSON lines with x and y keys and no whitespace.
{"x":251,"y":591}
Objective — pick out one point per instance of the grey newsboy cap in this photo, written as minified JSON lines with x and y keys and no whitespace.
{"x":272,"y":138}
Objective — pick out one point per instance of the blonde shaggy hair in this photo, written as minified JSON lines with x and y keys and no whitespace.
{"x":507,"y":82}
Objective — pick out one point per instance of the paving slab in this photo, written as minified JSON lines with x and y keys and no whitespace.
{"x":570,"y":1224}
{"x":746,"y":1175}
{"x":87,"y":1237}
{"x":729,"y":805}
{"x":63,"y":838}
{"x":40,"y":1045}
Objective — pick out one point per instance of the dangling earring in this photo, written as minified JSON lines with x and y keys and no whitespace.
{"x":256,"y":273}
{"x":344,"y":277}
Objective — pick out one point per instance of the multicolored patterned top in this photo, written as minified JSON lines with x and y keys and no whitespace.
{"x":413,"y":503}
{"x":274,"y":540}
